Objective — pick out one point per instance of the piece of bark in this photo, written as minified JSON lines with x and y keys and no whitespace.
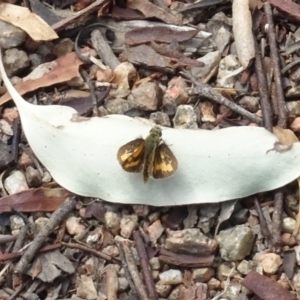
{"x":33,"y":200}
{"x":157,"y":34}
{"x":104,"y":50}
{"x":183,"y":260}
{"x":266,"y":288}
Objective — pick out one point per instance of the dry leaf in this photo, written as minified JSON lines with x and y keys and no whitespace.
{"x":285,"y":136}
{"x":157,"y":34}
{"x":35,"y":200}
{"x":150,"y":10}
{"x":287,"y":6}
{"x":60,"y":70}
{"x":31,"y":23}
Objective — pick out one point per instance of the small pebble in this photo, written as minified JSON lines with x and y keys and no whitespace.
{"x":40,"y":223}
{"x":63,"y":47}
{"x":203,"y":274}
{"x":185,"y":118}
{"x":141,"y":210}
{"x":74,"y":227}
{"x":147,"y":96}
{"x":162,"y":289}
{"x":33,"y":177}
{"x":112,"y":221}
{"x":288,"y":225}
{"x":155,"y":230}
{"x":171,"y":277}
{"x":128,"y":224}
{"x":15,"y":61}
{"x":16,"y":222}
{"x":154,"y":263}
{"x":160,"y":118}
{"x":270,"y":262}
{"x":288,"y":240}
{"x":15,"y":183}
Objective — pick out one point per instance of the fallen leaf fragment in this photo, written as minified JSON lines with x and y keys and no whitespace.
{"x":150,"y":10}
{"x":120,"y":13}
{"x":157,"y":34}
{"x":49,"y":266}
{"x":35,"y":200}
{"x":266,"y":288}
{"x":287,"y":6}
{"x":84,"y":104}
{"x":31,"y":23}
{"x":146,"y":56}
{"x":285,"y":136}
{"x":60,"y":70}
{"x":175,"y":55}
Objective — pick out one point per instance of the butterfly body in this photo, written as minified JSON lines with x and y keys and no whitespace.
{"x":150,"y":155}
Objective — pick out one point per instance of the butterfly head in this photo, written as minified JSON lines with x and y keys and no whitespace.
{"x":156,"y":130}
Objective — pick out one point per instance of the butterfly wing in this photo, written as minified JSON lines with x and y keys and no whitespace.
{"x":165,"y":163}
{"x":131,"y":156}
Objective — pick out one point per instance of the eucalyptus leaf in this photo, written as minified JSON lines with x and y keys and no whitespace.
{"x":213,"y":166}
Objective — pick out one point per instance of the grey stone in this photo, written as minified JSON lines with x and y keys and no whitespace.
{"x":33,"y":177}
{"x":235,"y":243}
{"x":11,"y":36}
{"x":185,"y":117}
{"x":147,"y":96}
{"x":117,"y":106}
{"x":190,"y":241}
{"x":160,"y":118}
{"x":250,"y":103}
{"x":15,"y":61}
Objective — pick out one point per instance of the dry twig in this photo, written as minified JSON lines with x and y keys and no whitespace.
{"x":133,"y":270}
{"x":206,"y":91}
{"x":276,"y":66}
{"x":145,"y":265}
{"x":54,"y":220}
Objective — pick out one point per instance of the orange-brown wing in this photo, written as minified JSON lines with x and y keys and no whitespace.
{"x":165,"y":163}
{"x":131,"y":156}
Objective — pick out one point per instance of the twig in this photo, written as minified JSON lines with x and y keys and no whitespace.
{"x":87,"y":249}
{"x":262,"y":221}
{"x":206,"y":91}
{"x":111,"y":283}
{"x":144,"y":262}
{"x":263,"y":90}
{"x":23,"y":231}
{"x":297,"y":227}
{"x":290,"y":65}
{"x":80,"y":14}
{"x":91,"y":86}
{"x":18,"y":291}
{"x":12,"y":255}
{"x":126,"y":270}
{"x":21,"y":239}
{"x":55,"y":219}
{"x":104,"y":50}
{"x":33,"y":287}
{"x":7,"y":238}
{"x":276,"y":66}
{"x":16,"y":139}
{"x":134,"y":271}
{"x":277,"y":220}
